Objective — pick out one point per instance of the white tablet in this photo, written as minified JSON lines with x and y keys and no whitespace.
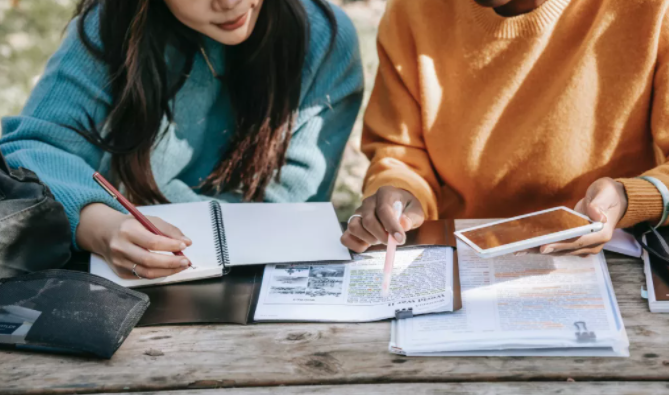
{"x":527,"y":231}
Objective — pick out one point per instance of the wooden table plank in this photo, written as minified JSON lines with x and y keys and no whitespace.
{"x":316,"y":354}
{"x":592,"y":388}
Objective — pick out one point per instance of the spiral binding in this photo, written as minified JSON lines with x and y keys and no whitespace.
{"x":221,"y":241}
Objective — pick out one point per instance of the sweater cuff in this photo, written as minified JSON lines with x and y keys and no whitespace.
{"x":427,"y":198}
{"x":644,"y":202}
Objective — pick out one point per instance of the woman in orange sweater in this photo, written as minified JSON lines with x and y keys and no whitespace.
{"x":495,"y":108}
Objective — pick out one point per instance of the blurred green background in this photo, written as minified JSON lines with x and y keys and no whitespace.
{"x":30,"y":30}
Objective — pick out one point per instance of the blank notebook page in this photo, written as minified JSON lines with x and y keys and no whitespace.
{"x":259,"y":233}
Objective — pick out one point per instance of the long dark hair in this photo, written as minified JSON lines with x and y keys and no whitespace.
{"x":263,"y":75}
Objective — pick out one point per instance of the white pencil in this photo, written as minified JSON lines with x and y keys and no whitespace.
{"x":390,"y":255}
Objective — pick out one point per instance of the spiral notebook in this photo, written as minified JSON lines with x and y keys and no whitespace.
{"x":229,"y":235}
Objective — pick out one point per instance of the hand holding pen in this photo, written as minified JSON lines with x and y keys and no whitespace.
{"x":376,"y":219}
{"x":130,"y":243}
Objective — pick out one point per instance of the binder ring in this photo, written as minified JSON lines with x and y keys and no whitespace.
{"x":353,"y":216}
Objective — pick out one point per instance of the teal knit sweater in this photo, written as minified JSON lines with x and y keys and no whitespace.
{"x":76,"y":85}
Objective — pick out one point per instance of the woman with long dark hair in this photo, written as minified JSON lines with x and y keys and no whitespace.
{"x":188,"y":100}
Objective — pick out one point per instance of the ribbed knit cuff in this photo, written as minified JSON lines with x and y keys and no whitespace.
{"x":644,"y":202}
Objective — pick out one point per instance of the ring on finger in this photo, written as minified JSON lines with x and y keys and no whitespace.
{"x":353,"y":216}
{"x":135,"y":272}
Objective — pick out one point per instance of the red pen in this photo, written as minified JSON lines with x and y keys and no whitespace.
{"x":107,"y":186}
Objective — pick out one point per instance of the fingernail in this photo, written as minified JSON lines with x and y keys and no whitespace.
{"x":182,"y":246}
{"x":185,"y":262}
{"x":520,"y":253}
{"x":398,"y":236}
{"x":547,"y":250}
{"x":187,"y":240}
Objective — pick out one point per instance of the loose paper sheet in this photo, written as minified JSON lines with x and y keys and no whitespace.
{"x":623,"y":243}
{"x":351,"y":292}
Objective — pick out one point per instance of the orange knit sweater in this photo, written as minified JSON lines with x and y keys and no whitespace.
{"x":479,"y":115}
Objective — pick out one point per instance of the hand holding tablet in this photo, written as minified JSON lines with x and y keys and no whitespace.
{"x":527,"y":231}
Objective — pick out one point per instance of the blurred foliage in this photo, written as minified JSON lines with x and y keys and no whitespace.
{"x":29,"y":33}
{"x":32,"y":30}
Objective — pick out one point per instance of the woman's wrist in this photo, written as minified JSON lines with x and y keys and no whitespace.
{"x":620,"y":187}
{"x":95,"y":221}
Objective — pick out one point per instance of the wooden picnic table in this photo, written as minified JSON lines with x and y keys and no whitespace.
{"x":344,"y":358}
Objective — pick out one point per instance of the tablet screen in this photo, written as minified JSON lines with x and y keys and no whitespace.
{"x":524,"y":228}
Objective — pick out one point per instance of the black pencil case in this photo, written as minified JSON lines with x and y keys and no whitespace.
{"x":67,"y":311}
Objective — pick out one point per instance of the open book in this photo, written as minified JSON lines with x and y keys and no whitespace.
{"x":229,"y":235}
{"x":425,"y":280}
{"x":534,"y":305}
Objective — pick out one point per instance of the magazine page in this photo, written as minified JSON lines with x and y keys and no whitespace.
{"x":422,"y":282}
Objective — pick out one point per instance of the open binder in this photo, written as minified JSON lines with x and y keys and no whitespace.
{"x":234,"y":297}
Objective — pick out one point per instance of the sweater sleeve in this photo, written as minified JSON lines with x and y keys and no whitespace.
{"x":644,"y":202}
{"x":71,"y":94}
{"x":332,"y":89}
{"x":316,"y":150}
{"x":393,"y":132}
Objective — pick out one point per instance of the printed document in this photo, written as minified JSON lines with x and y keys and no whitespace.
{"x":422,"y":282}
{"x":519,"y":306}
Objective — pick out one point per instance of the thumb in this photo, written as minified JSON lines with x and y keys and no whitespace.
{"x":413,"y":216}
{"x":598,"y":201}
{"x":580,"y":207}
{"x":596,"y":209}
{"x":596,"y":213}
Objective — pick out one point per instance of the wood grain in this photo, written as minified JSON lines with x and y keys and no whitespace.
{"x":592,"y":388}
{"x":197,"y":357}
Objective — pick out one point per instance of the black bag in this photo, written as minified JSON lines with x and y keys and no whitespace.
{"x":67,"y":312}
{"x":34,"y":230}
{"x":657,"y":247}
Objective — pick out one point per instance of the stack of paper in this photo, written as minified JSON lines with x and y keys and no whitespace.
{"x":534,"y":305}
{"x":658,"y":291}
{"x":623,"y":243}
